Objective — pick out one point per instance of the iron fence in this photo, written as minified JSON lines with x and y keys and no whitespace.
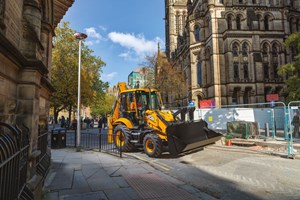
{"x":14,"y":147}
{"x":44,"y":159}
{"x":91,"y":140}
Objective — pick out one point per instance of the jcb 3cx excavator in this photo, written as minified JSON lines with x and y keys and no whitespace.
{"x":138,"y":120}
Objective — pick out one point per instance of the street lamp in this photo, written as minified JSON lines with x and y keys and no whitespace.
{"x":80,"y":37}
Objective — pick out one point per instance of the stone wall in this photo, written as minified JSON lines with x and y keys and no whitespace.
{"x":26,"y":31}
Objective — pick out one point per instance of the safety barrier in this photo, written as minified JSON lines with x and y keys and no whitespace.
{"x":14,"y":147}
{"x":273,"y":118}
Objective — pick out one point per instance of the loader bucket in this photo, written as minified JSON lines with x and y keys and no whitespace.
{"x":190,"y":135}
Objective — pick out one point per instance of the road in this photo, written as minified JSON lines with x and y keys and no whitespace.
{"x":233,"y":173}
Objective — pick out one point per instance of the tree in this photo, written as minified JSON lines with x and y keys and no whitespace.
{"x":102,"y":106}
{"x":165,"y":77}
{"x":292,"y":70}
{"x":64,"y":72}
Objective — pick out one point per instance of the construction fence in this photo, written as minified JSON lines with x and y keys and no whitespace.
{"x":251,"y":120}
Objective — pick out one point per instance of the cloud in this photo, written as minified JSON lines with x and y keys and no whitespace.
{"x":93,"y":36}
{"x":109,"y":77}
{"x":103,"y":28}
{"x":136,"y":43}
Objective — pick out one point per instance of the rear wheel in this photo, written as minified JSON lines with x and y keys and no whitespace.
{"x":152,"y":145}
{"x":122,"y":138}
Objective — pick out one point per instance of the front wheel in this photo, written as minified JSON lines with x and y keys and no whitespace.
{"x":152,"y":145}
{"x":122,"y":139}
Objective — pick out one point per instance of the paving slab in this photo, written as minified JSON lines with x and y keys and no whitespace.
{"x":101,"y":181}
{"x":79,"y":185}
{"x":150,"y":186}
{"x":63,"y":179}
{"x":86,"y":196}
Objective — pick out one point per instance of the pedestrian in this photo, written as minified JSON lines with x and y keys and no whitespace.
{"x":63,"y":122}
{"x":105,"y":121}
{"x":295,"y":123}
{"x":100,"y":123}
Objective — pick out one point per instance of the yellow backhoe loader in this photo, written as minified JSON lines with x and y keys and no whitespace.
{"x":138,"y":120}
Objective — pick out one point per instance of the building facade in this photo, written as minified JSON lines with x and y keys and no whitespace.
{"x":230,"y":50}
{"x":26,"y":32}
{"x":138,"y":78}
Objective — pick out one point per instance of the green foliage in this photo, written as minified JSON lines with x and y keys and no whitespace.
{"x":102,"y":106}
{"x":64,"y":71}
{"x":292,"y":70}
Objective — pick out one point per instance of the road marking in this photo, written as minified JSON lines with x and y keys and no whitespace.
{"x":153,"y":162}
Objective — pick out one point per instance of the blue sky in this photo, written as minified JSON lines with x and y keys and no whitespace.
{"x":120,"y":32}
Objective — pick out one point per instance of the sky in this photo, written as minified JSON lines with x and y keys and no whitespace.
{"x":120,"y":32}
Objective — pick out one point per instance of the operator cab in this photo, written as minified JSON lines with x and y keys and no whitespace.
{"x":135,"y":102}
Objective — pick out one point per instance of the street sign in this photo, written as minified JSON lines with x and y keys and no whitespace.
{"x":210,"y":103}
{"x":272,"y":97}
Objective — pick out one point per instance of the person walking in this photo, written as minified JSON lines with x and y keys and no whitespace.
{"x":295,"y":123}
{"x":105,"y":121}
{"x":63,"y":122}
{"x":100,"y":123}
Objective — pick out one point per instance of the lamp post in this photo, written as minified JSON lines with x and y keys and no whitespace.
{"x":80,"y":37}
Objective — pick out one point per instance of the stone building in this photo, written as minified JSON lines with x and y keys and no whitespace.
{"x":230,"y":50}
{"x":26,"y":32}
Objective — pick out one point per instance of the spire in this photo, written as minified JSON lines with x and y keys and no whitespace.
{"x":158,"y":47}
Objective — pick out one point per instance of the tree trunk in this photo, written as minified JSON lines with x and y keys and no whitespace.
{"x":56,"y":112}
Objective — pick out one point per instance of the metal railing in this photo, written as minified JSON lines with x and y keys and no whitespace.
{"x":111,"y":143}
{"x":14,"y":147}
{"x":92,"y":140}
{"x":44,"y":159}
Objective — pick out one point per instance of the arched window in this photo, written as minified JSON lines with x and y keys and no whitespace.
{"x":258,"y":24}
{"x":275,"y":49}
{"x":235,"y":96}
{"x":238,"y":23}
{"x":246,"y":97}
{"x":236,"y":71}
{"x":229,"y":22}
{"x":199,"y":73}
{"x":177,"y":23}
{"x":266,"y":71}
{"x":235,"y":49}
{"x":275,"y":68}
{"x":293,"y":25}
{"x":265,"y":50}
{"x":245,"y":49}
{"x":197,"y":33}
{"x":246,"y":71}
{"x":266,"y":23}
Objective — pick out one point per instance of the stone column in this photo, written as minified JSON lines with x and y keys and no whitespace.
{"x":28,"y":92}
{"x":215,"y":57}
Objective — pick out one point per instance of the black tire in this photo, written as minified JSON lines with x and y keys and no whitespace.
{"x":122,"y":139}
{"x":152,"y":145}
